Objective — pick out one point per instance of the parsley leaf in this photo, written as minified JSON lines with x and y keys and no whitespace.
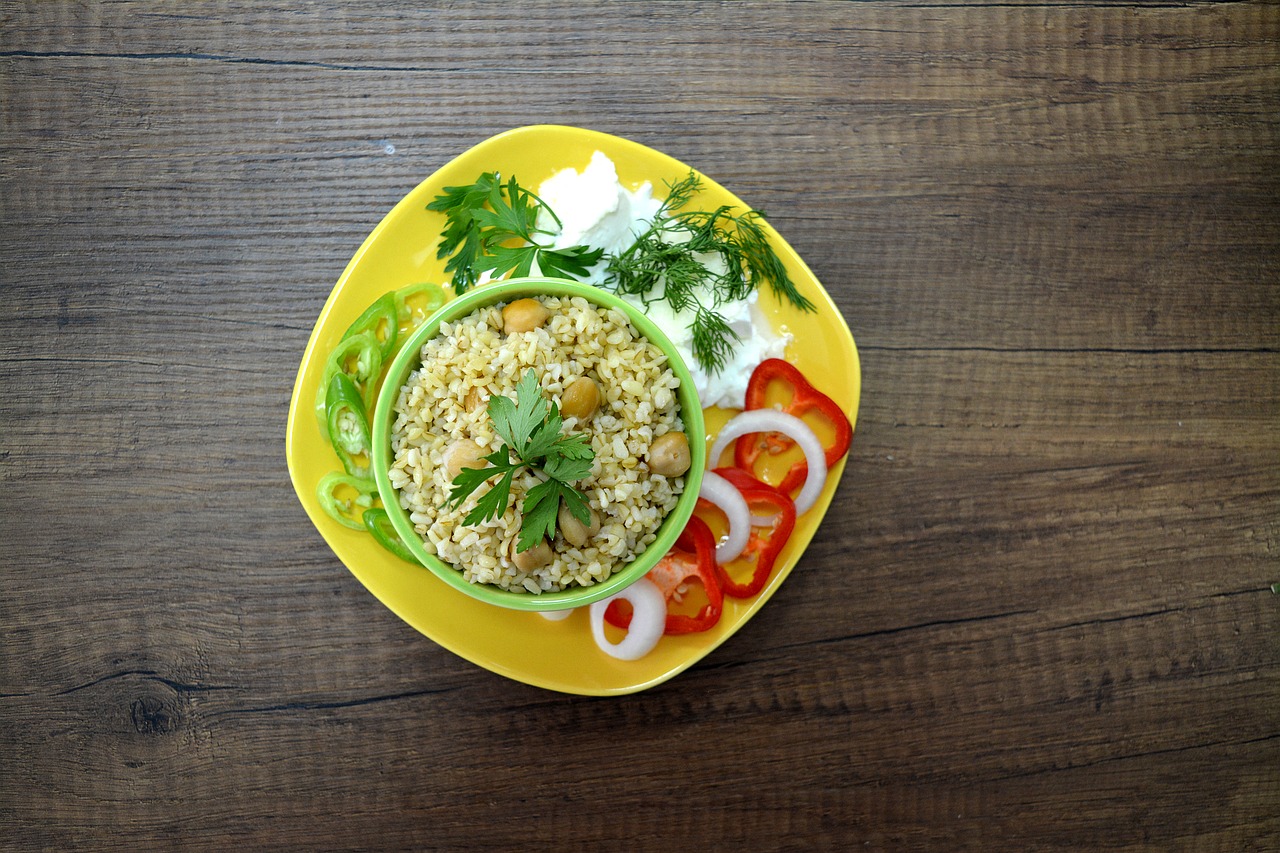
{"x":492,"y":503}
{"x":462,"y":238}
{"x":493,"y":227}
{"x":541,"y":509}
{"x":515,"y":421}
{"x":530,"y":426}
{"x":571,"y":459}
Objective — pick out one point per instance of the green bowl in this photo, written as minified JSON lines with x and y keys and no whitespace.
{"x":408,"y":360}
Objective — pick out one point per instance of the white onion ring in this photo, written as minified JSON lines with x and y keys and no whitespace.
{"x":555,"y":615}
{"x":648,"y":621}
{"x":726,"y":496}
{"x":771,"y":420}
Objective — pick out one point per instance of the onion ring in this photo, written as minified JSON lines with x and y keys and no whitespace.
{"x":555,"y":615}
{"x":648,"y":621}
{"x":771,"y":420}
{"x":726,"y":496}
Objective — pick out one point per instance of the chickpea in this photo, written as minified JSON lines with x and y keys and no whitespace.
{"x":474,"y":400}
{"x":581,"y":399}
{"x":669,"y":455}
{"x":463,"y":453}
{"x":524,"y":315}
{"x":534,"y":558}
{"x":575,"y":532}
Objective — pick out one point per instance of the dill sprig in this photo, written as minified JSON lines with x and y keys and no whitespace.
{"x":668,"y":263}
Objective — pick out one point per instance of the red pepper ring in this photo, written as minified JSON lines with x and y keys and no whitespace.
{"x":765,"y":543}
{"x":692,"y":558}
{"x":743,"y":479}
{"x":804,"y":398}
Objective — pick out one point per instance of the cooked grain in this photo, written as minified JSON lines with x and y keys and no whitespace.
{"x":473,"y":357}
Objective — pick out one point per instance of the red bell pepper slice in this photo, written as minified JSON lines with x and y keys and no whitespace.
{"x":692,"y":558}
{"x":804,"y":398}
{"x":765,"y":543}
{"x":742,"y":479}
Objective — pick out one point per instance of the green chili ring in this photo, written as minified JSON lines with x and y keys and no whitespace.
{"x":411,"y":316}
{"x":433,"y":295}
{"x":379,"y":525}
{"x":381,"y":319}
{"x":344,"y":511}
{"x":348,"y":424}
{"x":365,"y":348}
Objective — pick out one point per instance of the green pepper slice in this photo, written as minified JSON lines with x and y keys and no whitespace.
{"x":382,"y":320}
{"x":346,"y":511}
{"x":379,"y":525}
{"x":359,"y":357}
{"x":417,"y":302}
{"x":348,"y":423}
{"x":414,"y":304}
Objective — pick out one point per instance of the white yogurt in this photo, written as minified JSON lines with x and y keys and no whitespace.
{"x":597,"y":211}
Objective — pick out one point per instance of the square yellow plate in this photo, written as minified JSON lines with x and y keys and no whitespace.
{"x":401,"y":250}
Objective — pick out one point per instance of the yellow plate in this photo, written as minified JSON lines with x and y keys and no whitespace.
{"x":527,"y":647}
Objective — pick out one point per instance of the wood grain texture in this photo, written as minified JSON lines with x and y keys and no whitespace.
{"x":1038,"y":616}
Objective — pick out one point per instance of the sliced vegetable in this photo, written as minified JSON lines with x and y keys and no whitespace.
{"x":378,"y":523}
{"x":691,"y":559}
{"x":415,"y":303}
{"x":644,"y":629}
{"x":380,"y":320}
{"x":766,"y":540}
{"x":719,"y":491}
{"x":804,"y":399}
{"x":348,"y":425}
{"x":346,"y":510}
{"x":555,"y":615}
{"x":745,"y":481}
{"x":348,"y":388}
{"x":359,"y":357}
{"x":771,"y":420}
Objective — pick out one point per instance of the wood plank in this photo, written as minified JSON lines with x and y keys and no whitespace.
{"x":1038,"y":616}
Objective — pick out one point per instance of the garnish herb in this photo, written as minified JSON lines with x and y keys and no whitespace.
{"x":665,"y":264}
{"x":491,"y":226}
{"x":494,"y":226}
{"x":530,"y":426}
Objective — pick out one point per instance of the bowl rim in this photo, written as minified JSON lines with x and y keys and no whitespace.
{"x":409,"y":358}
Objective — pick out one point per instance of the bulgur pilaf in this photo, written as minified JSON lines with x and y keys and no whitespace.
{"x":444,"y":401}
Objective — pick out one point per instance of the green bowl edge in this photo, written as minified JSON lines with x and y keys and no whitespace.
{"x":408,"y":359}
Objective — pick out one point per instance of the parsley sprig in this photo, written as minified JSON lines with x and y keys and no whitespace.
{"x":490,"y":225}
{"x":530,"y":426}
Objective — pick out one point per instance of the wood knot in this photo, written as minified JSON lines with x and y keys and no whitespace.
{"x":154,"y":716}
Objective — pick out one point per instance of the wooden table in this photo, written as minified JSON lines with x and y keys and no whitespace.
{"x":1038,"y":617}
